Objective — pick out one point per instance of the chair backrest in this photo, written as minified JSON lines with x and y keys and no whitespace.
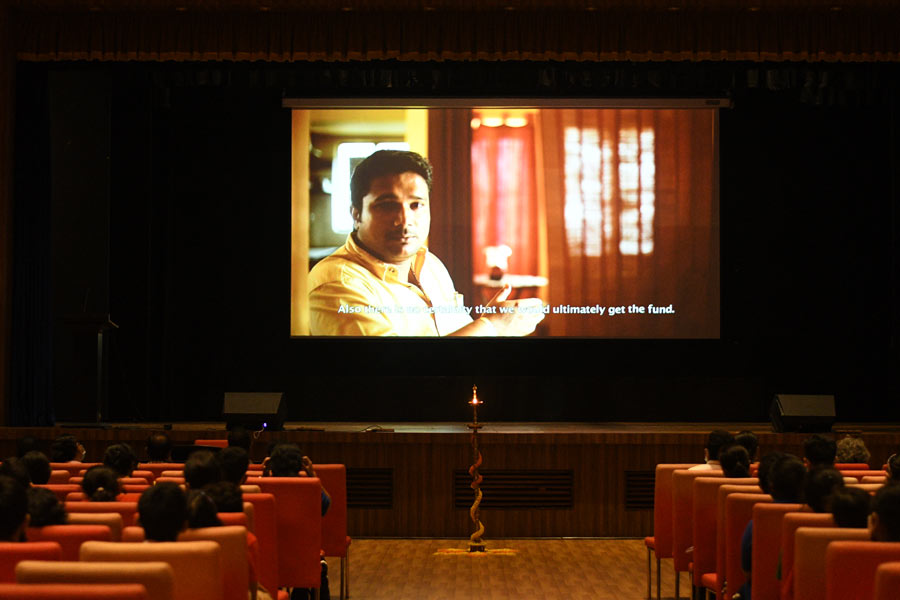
{"x":172,"y":473}
{"x":882,"y":479}
{"x":869,"y":487}
{"x":111,"y":520}
{"x":298,"y":515}
{"x":705,"y":521}
{"x":851,"y":466}
{"x":738,"y":512}
{"x":144,"y":474}
{"x":12,"y":553}
{"x":74,"y":468}
{"x":196,"y":565}
{"x":863,"y":473}
{"x":162,"y":478}
{"x":157,"y":577}
{"x":72,"y":591}
{"x":128,"y":510}
{"x":767,"y":521}
{"x":662,"y":508}
{"x":266,"y":530}
{"x":789,"y":525}
{"x":214,"y":443}
{"x":721,"y":546}
{"x":133,"y":533}
{"x":59,"y":476}
{"x":235,"y":570}
{"x":69,"y":537}
{"x":810,"y":544}
{"x":887,"y":581}
{"x":250,"y":489}
{"x":233,"y":518}
{"x":682,"y":507}
{"x":334,"y":522}
{"x":134,"y":488}
{"x":60,"y":490}
{"x":850,"y":568}
{"x":158,"y":468}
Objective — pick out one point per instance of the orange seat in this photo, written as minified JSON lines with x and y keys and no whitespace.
{"x":212,"y":443}
{"x":128,"y":510}
{"x":133,"y":533}
{"x":715,"y":581}
{"x":810,"y":544}
{"x":887,"y":581}
{"x":144,"y":474}
{"x":335,"y":541}
{"x":851,"y":466}
{"x":869,"y":487}
{"x":156,"y":577}
{"x":250,"y":489}
{"x":882,"y":479}
{"x":72,"y":591}
{"x":172,"y":473}
{"x":767,"y":528}
{"x":233,"y":518}
{"x":60,"y":490}
{"x":111,"y":520}
{"x":178,"y":480}
{"x":196,"y":565}
{"x":69,"y":537}
{"x":298,"y":515}
{"x":789,"y":525}
{"x":266,"y":530}
{"x":158,"y":468}
{"x":682,"y":527}
{"x":850,"y":567}
{"x":74,"y":468}
{"x":12,"y":553}
{"x":235,"y":570}
{"x":738,"y":512}
{"x":59,"y":476}
{"x":863,"y":473}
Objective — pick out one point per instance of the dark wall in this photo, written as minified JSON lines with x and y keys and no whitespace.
{"x":199,"y":258}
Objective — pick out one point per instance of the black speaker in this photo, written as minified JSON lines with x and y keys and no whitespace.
{"x":802,"y":413}
{"x":255,"y":410}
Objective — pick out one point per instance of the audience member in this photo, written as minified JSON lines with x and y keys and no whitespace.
{"x":44,"y":508}
{"x":765,"y":470}
{"x":13,"y":510}
{"x":850,"y":507}
{"x":159,"y":448}
{"x":201,"y":469}
{"x":893,"y":468}
{"x":819,"y":451}
{"x":38,"y":466}
{"x":820,"y":483}
{"x":852,"y":450}
{"x":201,"y":510}
{"x":14,"y":467}
{"x":735,"y":461}
{"x":67,"y":448}
{"x":26,"y":444}
{"x":884,"y":522}
{"x":240,"y":437}
{"x":163,"y":512}
{"x":748,"y":440}
{"x":716,"y":440}
{"x":100,"y":484}
{"x":226,"y":495}
{"x":234,"y":462}
{"x":121,"y":459}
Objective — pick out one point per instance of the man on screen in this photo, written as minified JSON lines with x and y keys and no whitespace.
{"x":384,"y":281}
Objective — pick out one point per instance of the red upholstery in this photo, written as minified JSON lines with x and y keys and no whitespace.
{"x":158,"y":468}
{"x":233,"y":542}
{"x":335,"y":541}
{"x":682,"y":509}
{"x":810,"y":544}
{"x":715,"y":581}
{"x":738,"y":512}
{"x":11,"y":553}
{"x":233,"y":518}
{"x":212,"y":443}
{"x":789,"y":525}
{"x":73,"y":591}
{"x":882,"y":479}
{"x":887,"y":581}
{"x":863,"y":473}
{"x":850,"y":568}
{"x":74,"y":468}
{"x":133,"y":533}
{"x":60,"y":490}
{"x":767,"y":521}
{"x":128,"y":510}
{"x":69,"y":537}
{"x":266,"y":531}
{"x":122,"y":480}
{"x":59,"y":476}
{"x":111,"y":520}
{"x":851,"y":466}
{"x":298,"y":514}
{"x":661,"y":540}
{"x":157,"y":577}
{"x":178,"y":480}
{"x":869,"y":487}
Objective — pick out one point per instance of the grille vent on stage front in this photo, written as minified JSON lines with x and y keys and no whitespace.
{"x":516,"y":488}
{"x":370,"y":488}
{"x":639,"y":487}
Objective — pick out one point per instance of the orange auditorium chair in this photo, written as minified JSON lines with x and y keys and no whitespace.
{"x":810,"y":544}
{"x":111,"y":520}
{"x":866,"y":473}
{"x":767,"y":528}
{"x":887,"y":581}
{"x":60,"y":490}
{"x":789,"y":525}
{"x":660,"y":543}
{"x":882,"y":479}
{"x":682,"y":528}
{"x":59,"y":476}
{"x":738,"y":512}
{"x":128,"y":510}
{"x":850,"y":567}
{"x":851,"y":466}
{"x":212,"y":443}
{"x":73,"y":591}
{"x":12,"y":553}
{"x":74,"y":468}
{"x":233,"y":518}
{"x":158,"y":468}
{"x":716,"y":581}
{"x":69,"y":537}
{"x":335,"y":541}
{"x":233,"y":542}
{"x":156,"y":577}
{"x":265,"y":528}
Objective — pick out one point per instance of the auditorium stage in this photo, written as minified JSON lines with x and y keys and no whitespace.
{"x":541,"y":479}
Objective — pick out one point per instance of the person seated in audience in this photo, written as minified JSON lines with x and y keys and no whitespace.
{"x":226,"y":495}
{"x":201,"y":469}
{"x":38,"y":466}
{"x":26,"y":444}
{"x":13,"y":510}
{"x":852,"y":449}
{"x":234,"y":462}
{"x":240,"y":437}
{"x":121,"y":459}
{"x":44,"y":508}
{"x":748,"y":440}
{"x":159,"y":448}
{"x":716,"y":441}
{"x":202,"y":510}
{"x":850,"y":507}
{"x":884,"y":522}
{"x":100,"y":484}
{"x":735,"y":461}
{"x":893,"y":468}
{"x":765,"y":470}
{"x":67,"y":448}
{"x":786,"y":481}
{"x":162,"y":510}
{"x":818,"y":451}
{"x":14,"y":468}
{"x":820,"y":483}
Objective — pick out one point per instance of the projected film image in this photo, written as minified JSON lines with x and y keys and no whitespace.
{"x":506,"y":221}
